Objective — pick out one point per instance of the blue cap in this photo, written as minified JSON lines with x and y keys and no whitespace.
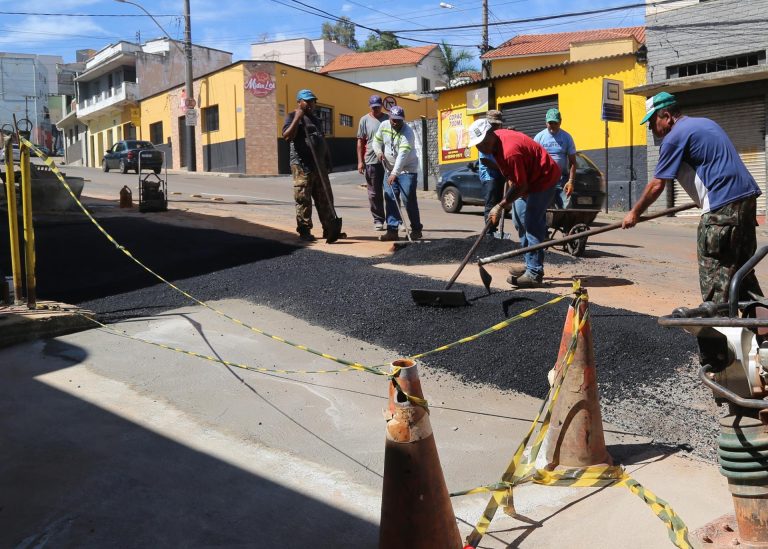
{"x":396,"y":113}
{"x":305,"y":95}
{"x":375,"y":101}
{"x":661,"y":100}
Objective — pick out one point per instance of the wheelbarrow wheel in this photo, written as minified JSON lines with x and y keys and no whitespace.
{"x":576,"y":247}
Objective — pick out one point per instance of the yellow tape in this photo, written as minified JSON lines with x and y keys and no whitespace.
{"x":519,"y":472}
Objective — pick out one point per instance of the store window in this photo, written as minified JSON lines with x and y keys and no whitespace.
{"x":345,"y":120}
{"x":325,"y":115}
{"x":211,"y":119}
{"x":156,"y":133}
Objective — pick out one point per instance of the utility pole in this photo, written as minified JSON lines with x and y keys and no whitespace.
{"x":484,"y":46}
{"x":190,"y":93}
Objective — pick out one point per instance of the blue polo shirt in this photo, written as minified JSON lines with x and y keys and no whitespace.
{"x":559,"y":146}
{"x":488,"y":172}
{"x":699,"y":154}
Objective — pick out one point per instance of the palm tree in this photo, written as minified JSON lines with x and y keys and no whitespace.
{"x":454,"y":61}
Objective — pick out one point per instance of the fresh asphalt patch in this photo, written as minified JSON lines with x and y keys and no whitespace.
{"x":646,"y":373}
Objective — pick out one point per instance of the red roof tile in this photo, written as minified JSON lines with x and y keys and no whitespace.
{"x":530,"y":44}
{"x":399,"y":56}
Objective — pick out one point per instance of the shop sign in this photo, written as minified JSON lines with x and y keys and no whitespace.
{"x":477,"y":101}
{"x":260,"y":84}
{"x":454,"y":135}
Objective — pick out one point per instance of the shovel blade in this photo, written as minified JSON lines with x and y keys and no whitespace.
{"x":486,"y":277}
{"x":439,"y":298}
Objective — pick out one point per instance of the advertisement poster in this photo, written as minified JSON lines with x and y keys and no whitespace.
{"x":477,"y":101}
{"x":454,"y":135}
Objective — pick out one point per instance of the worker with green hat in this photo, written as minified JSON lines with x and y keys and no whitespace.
{"x":699,"y":155}
{"x":560,"y":146}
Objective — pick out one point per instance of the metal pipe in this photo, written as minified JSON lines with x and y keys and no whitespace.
{"x":720,"y":322}
{"x":733,"y":295}
{"x":29,"y":230}
{"x":728,"y":394}
{"x":13,"y":220}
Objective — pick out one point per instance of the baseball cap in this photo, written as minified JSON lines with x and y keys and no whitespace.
{"x":661,"y":100}
{"x":478,"y":130}
{"x":494,"y":117}
{"x":553,"y":115}
{"x":305,"y":95}
{"x":396,"y":113}
{"x":375,"y":101}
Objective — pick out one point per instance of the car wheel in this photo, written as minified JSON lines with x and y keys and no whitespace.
{"x":104,"y":165}
{"x":451,"y":200}
{"x":123,"y":167}
{"x":156,"y":170}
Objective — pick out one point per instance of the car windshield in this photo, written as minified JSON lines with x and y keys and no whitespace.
{"x":139,"y":145}
{"x":584,"y":163}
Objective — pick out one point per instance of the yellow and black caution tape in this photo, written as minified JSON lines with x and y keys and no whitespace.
{"x":522,"y":470}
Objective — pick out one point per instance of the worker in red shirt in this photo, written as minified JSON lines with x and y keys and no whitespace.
{"x":531,"y":175}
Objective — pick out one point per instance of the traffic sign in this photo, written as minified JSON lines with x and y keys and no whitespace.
{"x":191,"y":117}
{"x":190,"y":103}
{"x":613,"y":100}
{"x":389,"y":102}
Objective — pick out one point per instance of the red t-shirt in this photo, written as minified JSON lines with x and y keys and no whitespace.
{"x":525,"y":163}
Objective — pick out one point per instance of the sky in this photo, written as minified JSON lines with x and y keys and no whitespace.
{"x":63,"y":26}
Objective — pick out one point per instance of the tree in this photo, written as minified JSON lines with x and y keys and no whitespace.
{"x":381,"y":42}
{"x":343,"y":32}
{"x":454,"y":61}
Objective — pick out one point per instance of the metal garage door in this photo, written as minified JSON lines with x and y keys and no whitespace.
{"x":744,"y":122}
{"x":528,"y":116}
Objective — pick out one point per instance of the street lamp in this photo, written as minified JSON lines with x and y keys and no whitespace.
{"x":189,"y":153}
{"x":484,"y":46}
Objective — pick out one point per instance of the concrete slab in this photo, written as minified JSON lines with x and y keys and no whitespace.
{"x":19,"y":323}
{"x":112,"y":442}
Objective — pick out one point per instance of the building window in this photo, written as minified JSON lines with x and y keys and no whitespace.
{"x":156,"y":133}
{"x":325,"y":115}
{"x":345,"y":120}
{"x":716,"y":65}
{"x":426,"y":85}
{"x":211,"y":119}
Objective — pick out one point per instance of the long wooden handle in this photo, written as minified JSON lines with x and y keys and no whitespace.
{"x":585,"y":234}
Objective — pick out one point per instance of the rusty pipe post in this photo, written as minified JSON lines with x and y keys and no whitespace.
{"x":29,"y":230}
{"x":13,"y":221}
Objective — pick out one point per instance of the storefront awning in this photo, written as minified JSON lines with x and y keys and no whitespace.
{"x":699,"y":81}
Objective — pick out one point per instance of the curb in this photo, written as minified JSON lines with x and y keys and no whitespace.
{"x":19,"y":324}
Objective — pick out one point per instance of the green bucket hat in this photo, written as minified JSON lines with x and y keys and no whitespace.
{"x":553,"y":115}
{"x":661,"y":100}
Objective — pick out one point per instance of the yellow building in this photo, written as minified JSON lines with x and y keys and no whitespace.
{"x":241,"y":110}
{"x":531,"y":74}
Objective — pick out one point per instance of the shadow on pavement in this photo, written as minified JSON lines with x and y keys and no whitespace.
{"x":75,"y":475}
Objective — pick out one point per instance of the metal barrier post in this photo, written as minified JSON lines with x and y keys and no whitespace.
{"x":29,"y":230}
{"x":13,"y":222}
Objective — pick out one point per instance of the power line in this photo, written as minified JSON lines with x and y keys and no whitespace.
{"x":84,"y":14}
{"x":537,"y":19}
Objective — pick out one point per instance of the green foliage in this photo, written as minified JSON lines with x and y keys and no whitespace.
{"x":454,"y":61}
{"x":343,"y":32}
{"x":381,"y":42}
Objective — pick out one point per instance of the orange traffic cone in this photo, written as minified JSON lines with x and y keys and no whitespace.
{"x":575,"y":437}
{"x":416,"y":510}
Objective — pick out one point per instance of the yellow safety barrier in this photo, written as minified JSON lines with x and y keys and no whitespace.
{"x":521,"y":471}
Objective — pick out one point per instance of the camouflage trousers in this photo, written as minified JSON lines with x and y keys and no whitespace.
{"x":307,"y":187}
{"x":726,"y":240}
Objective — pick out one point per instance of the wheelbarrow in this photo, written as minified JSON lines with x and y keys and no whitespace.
{"x":570,"y":221}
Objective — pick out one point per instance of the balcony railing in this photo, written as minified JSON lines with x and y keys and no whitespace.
{"x":112,"y":97}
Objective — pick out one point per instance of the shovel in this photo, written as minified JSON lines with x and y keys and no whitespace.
{"x":486,"y":277}
{"x":447,"y":297}
{"x":313,"y":139}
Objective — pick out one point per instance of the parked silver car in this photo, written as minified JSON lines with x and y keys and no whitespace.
{"x":16,"y":153}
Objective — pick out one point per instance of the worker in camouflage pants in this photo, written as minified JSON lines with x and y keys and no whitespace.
{"x":699,"y":155}
{"x":307,"y":185}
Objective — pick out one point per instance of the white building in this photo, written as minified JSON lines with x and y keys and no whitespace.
{"x":299,"y":52}
{"x":26,"y":82}
{"x":399,"y":71}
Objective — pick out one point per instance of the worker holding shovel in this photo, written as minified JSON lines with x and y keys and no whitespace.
{"x":394,"y":144}
{"x":531,"y":174}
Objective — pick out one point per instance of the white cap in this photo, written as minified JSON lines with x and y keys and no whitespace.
{"x":478,"y":130}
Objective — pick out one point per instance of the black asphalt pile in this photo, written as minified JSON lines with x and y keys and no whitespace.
{"x":645,"y":372}
{"x":453,"y":250}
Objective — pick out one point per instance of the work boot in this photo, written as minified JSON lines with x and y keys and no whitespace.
{"x":416,"y":234}
{"x":307,"y":237}
{"x":378,"y":226}
{"x":390,"y":236}
{"x":527,"y":280}
{"x":517,"y":271}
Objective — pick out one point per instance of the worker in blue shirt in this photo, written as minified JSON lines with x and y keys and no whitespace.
{"x":560,"y":146}
{"x":490,"y":177}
